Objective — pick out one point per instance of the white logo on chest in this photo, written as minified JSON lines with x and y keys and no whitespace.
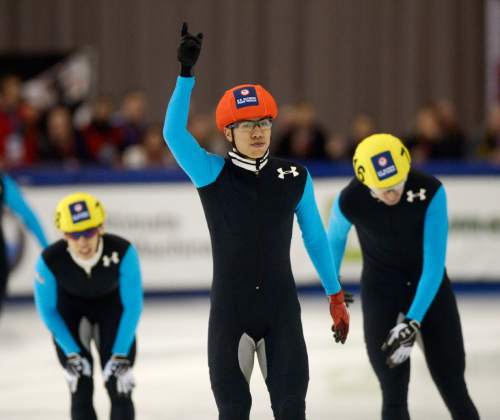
{"x":293,"y":171}
{"x":106,"y":261}
{"x":410,"y":195}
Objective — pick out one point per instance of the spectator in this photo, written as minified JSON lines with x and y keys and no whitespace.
{"x":62,"y":143}
{"x":337,"y":148}
{"x":454,"y":143}
{"x":203,"y":128}
{"x":489,"y":142}
{"x":102,"y":139}
{"x":424,"y":143}
{"x":18,"y":124}
{"x":362,"y":126}
{"x":305,"y":138}
{"x":130,"y":121}
{"x":150,"y":153}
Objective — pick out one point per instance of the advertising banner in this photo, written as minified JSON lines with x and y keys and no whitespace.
{"x":166,"y":223}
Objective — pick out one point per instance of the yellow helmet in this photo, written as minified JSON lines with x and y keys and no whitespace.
{"x":381,"y":161}
{"x":79,"y":211}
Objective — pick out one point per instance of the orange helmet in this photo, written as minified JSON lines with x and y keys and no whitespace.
{"x":244,"y":102}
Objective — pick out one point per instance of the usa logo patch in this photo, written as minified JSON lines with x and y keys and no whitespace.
{"x":79,"y":211}
{"x":384,"y":165}
{"x":246,"y":96}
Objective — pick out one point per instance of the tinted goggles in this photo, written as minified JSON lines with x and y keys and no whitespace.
{"x":89,"y":233}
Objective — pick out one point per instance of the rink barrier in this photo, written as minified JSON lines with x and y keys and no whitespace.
{"x":173,"y":233}
{"x":98,"y":175}
{"x":464,"y":288}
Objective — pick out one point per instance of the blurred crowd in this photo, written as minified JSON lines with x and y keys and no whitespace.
{"x":118,"y":135}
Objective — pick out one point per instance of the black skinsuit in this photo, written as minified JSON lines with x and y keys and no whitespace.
{"x":250,"y":219}
{"x":392,"y":242}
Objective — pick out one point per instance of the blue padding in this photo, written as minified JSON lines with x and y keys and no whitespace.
{"x":315,"y":241}
{"x":202,"y":167}
{"x":45,"y":291}
{"x":338,"y":229}
{"x":435,"y":241}
{"x":132,"y":300}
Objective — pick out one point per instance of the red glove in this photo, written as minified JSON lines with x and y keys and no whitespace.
{"x":340,"y":316}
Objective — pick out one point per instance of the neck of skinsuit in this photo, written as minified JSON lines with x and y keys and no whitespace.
{"x":87,"y":265}
{"x":248,"y":163}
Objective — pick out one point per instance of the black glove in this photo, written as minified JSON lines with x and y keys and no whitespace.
{"x":189,"y":50}
{"x":399,"y":342}
{"x":348,"y":298}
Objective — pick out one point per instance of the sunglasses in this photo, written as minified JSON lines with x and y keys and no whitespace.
{"x":89,"y":233}
{"x":249,"y":125}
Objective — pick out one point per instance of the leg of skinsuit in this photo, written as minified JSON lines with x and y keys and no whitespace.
{"x":445,"y":355}
{"x":286,"y":367}
{"x":380,"y":311}
{"x":122,"y":406}
{"x":230,"y":388}
{"x":82,"y":407}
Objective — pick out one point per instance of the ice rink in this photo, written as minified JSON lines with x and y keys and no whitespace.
{"x":172,"y":373}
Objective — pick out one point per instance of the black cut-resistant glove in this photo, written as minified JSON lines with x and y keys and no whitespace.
{"x":189,"y":50}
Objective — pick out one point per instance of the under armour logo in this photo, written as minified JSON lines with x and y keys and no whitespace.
{"x":410,"y":195}
{"x":282,"y":173}
{"x":108,"y":260}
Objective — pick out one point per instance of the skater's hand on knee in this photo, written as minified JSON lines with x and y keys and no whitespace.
{"x":76,"y":366}
{"x":120,"y":367}
{"x":116,"y":366}
{"x":340,"y":316}
{"x":188,"y":50}
{"x":399,"y":342}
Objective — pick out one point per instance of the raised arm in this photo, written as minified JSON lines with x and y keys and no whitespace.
{"x":202,"y":167}
{"x":16,"y":202}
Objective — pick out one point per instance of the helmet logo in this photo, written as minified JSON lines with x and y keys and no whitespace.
{"x":384,"y":165}
{"x":79,"y":211}
{"x":246,"y":97}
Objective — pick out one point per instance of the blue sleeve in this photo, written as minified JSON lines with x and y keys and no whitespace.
{"x":338,"y":230}
{"x":202,"y":167}
{"x":15,"y":201}
{"x":315,"y":241}
{"x":435,"y":239}
{"x":132,"y":301}
{"x":46,"y":304}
